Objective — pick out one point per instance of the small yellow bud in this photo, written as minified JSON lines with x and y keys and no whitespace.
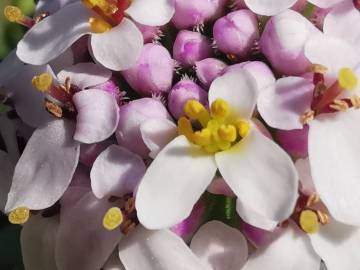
{"x":99,"y":25}
{"x":13,"y":14}
{"x":113,"y":218}
{"x":196,"y":111}
{"x":309,"y":221}
{"x":220,"y":108}
{"x":202,"y":137}
{"x":347,"y":79}
{"x":19,"y":215}
{"x":42,"y":82}
{"x":243,"y":127}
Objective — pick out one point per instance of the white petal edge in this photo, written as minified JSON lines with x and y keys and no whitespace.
{"x":269,"y":8}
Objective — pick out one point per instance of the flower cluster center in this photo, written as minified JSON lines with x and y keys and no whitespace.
{"x":218,"y":130}
{"x":110,"y":13}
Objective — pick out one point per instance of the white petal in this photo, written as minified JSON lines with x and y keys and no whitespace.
{"x":64,"y":60}
{"x":334,"y":147}
{"x":45,"y":168}
{"x":82,"y":242}
{"x":116,"y":172}
{"x":38,"y":243}
{"x":157,"y":250}
{"x":51,"y":6}
{"x":304,"y":171}
{"x":98,"y":115}
{"x":338,"y":244}
{"x":292,"y":250}
{"x":269,"y":8}
{"x":156,"y":133}
{"x":85,"y":75}
{"x":53,"y":35}
{"x":10,"y":66}
{"x":319,"y":49}
{"x":325,"y":3}
{"x":119,"y":48}
{"x":152,"y":13}
{"x":337,"y":23}
{"x":219,"y":246}
{"x":173,"y":183}
{"x":282,"y":106}
{"x":239,"y":89}
{"x":6,"y":173}
{"x":272,"y":190}
{"x":114,"y":263}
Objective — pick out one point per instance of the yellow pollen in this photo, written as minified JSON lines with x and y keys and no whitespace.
{"x":42,"y":82}
{"x":202,"y":137}
{"x":347,"y":79}
{"x":309,"y":221}
{"x":13,"y":14}
{"x":19,"y":215}
{"x":220,"y":109}
{"x":228,"y":133}
{"x":98,"y":25}
{"x":196,"y":111}
{"x":113,"y":218}
{"x":243,"y":127}
{"x":185,"y":128}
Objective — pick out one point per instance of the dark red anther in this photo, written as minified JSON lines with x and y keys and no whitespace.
{"x":318,"y":78}
{"x":357,"y":4}
{"x":120,"y":13}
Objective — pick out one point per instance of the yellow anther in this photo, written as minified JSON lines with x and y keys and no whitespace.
{"x":13,"y":14}
{"x":19,"y":215}
{"x":185,"y":128}
{"x":113,"y":218}
{"x":196,"y":111}
{"x":309,"y":221}
{"x":243,"y":127}
{"x":211,"y":148}
{"x":202,"y":137}
{"x":104,"y":5}
{"x":317,"y":68}
{"x":98,"y":25}
{"x":227,"y":133}
{"x":220,"y":109}
{"x":347,"y":79}
{"x":42,"y":82}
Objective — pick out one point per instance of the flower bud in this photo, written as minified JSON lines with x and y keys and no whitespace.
{"x":236,"y":32}
{"x":182,"y":92}
{"x":208,"y":70}
{"x":190,"y":47}
{"x":195,"y":12}
{"x":149,"y":33}
{"x":128,"y":132}
{"x":283,"y":41}
{"x":294,"y":142}
{"x":153,"y":72}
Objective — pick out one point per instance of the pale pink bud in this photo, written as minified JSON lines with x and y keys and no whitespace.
{"x":149,"y":33}
{"x":208,"y":70}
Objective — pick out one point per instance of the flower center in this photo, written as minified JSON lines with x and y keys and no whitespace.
{"x":19,"y":215}
{"x":218,"y":131}
{"x":110,"y":12}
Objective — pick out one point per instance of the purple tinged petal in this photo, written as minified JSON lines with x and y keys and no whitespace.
{"x":190,"y":47}
{"x":45,"y":168}
{"x":208,"y":70}
{"x":236,"y":32}
{"x":150,"y":33}
{"x":182,"y":92}
{"x":98,"y":115}
{"x":116,"y":172}
{"x":153,"y":72}
{"x":82,"y":242}
{"x":133,"y":114}
{"x":294,"y":142}
{"x":89,"y":152}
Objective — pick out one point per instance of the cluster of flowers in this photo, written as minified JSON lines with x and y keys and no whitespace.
{"x":135,"y":110}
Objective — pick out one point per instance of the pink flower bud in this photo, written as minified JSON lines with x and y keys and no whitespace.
{"x":149,"y":33}
{"x":239,"y":4}
{"x":208,"y":70}
{"x":283,"y":41}
{"x":190,"y":13}
{"x":131,"y":116}
{"x":190,"y":47}
{"x":294,"y":142}
{"x":236,"y":32}
{"x":182,"y":92}
{"x":153,"y":72}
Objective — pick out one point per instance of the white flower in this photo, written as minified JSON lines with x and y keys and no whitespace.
{"x":259,"y":172}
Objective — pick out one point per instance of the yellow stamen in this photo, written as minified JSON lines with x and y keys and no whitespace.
{"x":228,"y":133}
{"x":42,"y":82}
{"x":108,"y":8}
{"x":202,"y":137}
{"x":211,"y":148}
{"x":347,"y":79}
{"x":220,"y":109}
{"x":323,"y":217}
{"x":13,"y":14}
{"x":196,"y":111}
{"x":313,"y":199}
{"x":355,"y":101}
{"x":185,"y":128}
{"x":243,"y":127}
{"x":19,"y":215}
{"x":223,"y":145}
{"x":113,"y":218}
{"x":307,"y":117}
{"x":339,"y":105}
{"x":309,"y":221}
{"x":98,"y":25}
{"x":317,"y":68}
